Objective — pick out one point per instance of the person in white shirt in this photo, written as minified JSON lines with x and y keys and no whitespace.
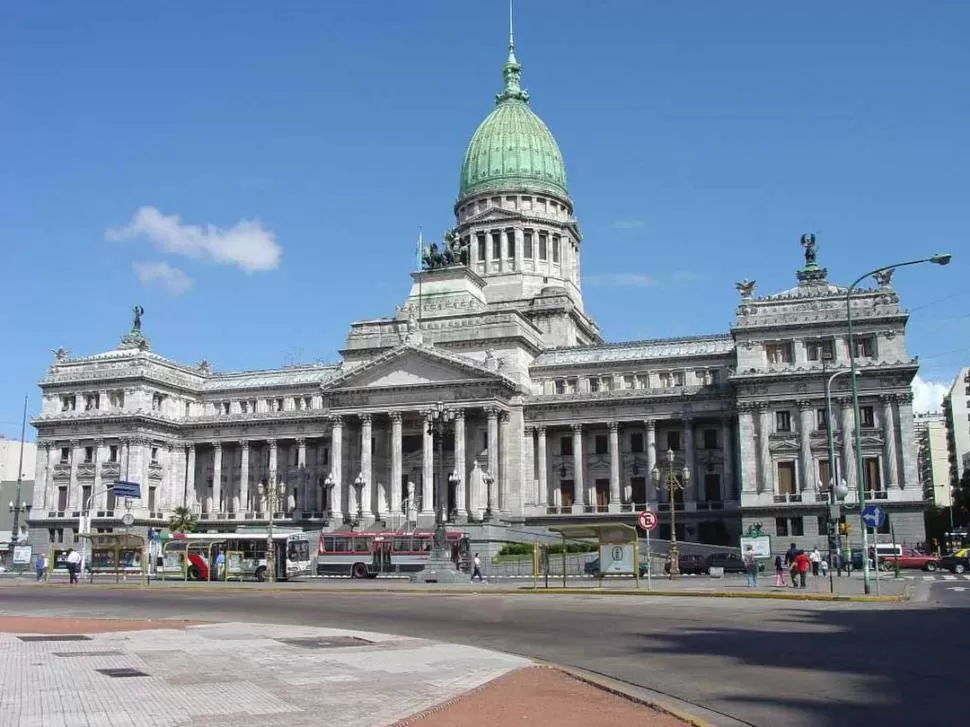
{"x":477,"y":568}
{"x":816,"y":559}
{"x":73,"y":561}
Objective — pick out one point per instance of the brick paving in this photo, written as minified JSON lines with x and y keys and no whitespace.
{"x":541,"y":696}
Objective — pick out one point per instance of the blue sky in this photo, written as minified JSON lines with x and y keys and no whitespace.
{"x":701,"y":139}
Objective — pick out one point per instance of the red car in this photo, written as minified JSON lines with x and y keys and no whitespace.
{"x":910,"y":559}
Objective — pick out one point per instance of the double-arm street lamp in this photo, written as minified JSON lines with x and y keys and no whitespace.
{"x":673,"y":481}
{"x":939,"y":259}
{"x":15,"y":508}
{"x":274,"y":495}
{"x":440,"y":420}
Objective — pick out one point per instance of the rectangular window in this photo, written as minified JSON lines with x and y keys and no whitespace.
{"x":786,"y":478}
{"x":789,"y":526}
{"x":865,"y":346}
{"x":89,"y":454}
{"x":779,"y":353}
{"x":594,"y":384}
{"x":712,"y":487}
{"x":527,"y":244}
{"x":481,"y":247}
{"x":601,"y":444}
{"x":566,"y":446}
{"x":496,"y":246}
{"x":510,"y":236}
{"x":782,"y":421}
{"x":824,"y":472}
{"x":710,"y":439}
{"x":781,"y":526}
{"x":571,"y":385}
{"x":643,"y":381}
{"x":821,"y":420}
{"x":555,"y":248}
{"x":870,"y":474}
{"x":61,"y":499}
{"x":678,"y":378}
{"x":629,"y":381}
{"x":867,"y":416}
{"x":796,"y":526}
{"x":113,"y":453}
{"x":638,"y":486}
{"x":820,"y":350}
{"x":151,"y":499}
{"x":543,"y":240}
{"x":154,"y":454}
{"x":602,"y":494}
{"x":65,"y":455}
{"x":86,"y":496}
{"x":673,"y":441}
{"x":560,"y":386}
{"x":636,"y":442}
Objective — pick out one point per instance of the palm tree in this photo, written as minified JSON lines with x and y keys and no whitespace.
{"x":182,"y":520}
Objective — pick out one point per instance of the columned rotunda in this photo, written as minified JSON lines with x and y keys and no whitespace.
{"x":552,"y":424}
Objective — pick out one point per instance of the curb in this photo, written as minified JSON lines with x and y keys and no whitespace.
{"x":756,"y":595}
{"x":612,"y":686}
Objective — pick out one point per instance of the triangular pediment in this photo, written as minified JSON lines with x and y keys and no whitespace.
{"x":495,"y":214}
{"x":784,"y":445}
{"x":410,"y":366}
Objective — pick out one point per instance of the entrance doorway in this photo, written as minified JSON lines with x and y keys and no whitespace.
{"x":602,"y":495}
{"x":567,"y":493}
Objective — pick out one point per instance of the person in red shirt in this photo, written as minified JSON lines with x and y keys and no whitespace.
{"x":802,"y":563}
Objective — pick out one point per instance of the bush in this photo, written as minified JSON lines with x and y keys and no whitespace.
{"x":516,"y":549}
{"x":555,"y":549}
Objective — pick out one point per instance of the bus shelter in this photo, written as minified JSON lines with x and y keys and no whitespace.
{"x":120,"y":553}
{"x":618,"y":547}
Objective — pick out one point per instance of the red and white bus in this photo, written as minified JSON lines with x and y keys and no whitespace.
{"x":370,"y":553}
{"x":193,"y":555}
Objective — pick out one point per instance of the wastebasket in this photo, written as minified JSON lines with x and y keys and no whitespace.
{"x":715,"y":572}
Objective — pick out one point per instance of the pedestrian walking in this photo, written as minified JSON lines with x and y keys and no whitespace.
{"x":816,"y":559}
{"x":73,"y":561}
{"x":40,"y":565}
{"x":802,"y":564}
{"x":779,"y":571}
{"x":477,"y":569}
{"x":751,"y":567}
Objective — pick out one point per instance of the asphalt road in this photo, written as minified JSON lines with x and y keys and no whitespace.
{"x":747,"y":661}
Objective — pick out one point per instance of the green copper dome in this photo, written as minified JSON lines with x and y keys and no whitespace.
{"x":512,"y":148}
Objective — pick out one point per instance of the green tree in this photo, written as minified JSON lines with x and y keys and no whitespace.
{"x":182,"y":520}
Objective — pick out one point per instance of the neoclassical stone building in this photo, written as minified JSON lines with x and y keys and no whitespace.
{"x":552,"y":424}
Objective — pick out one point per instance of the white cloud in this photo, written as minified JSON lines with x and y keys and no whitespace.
{"x":628,"y":224}
{"x":633,"y":279}
{"x":246,"y":244}
{"x":173,"y":280}
{"x":927,"y":395}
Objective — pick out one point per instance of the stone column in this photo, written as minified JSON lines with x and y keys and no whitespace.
{"x":694,"y":486}
{"x":543,"y":469}
{"x":244,"y":476}
{"x":529,"y":494}
{"x":304,"y":488}
{"x":493,"y":450}
{"x":428,"y":501}
{"x":189,"y":496}
{"x":272,"y":478}
{"x":651,"y":426}
{"x":578,"y":487}
{"x":727,"y":448}
{"x":505,"y":471}
{"x":461,"y":469}
{"x":766,"y":482}
{"x":217,"y":477}
{"x":395,"y":485}
{"x":366,"y":458}
{"x":336,"y":465}
{"x":889,"y":433}
{"x":614,"y":466}
{"x":747,"y":450}
{"x":74,"y":486}
{"x":848,"y":435}
{"x":519,"y":246}
{"x":805,"y":414}
{"x":99,"y":494}
{"x":909,"y":477}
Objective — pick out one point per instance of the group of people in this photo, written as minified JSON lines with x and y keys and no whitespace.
{"x":798,"y":563}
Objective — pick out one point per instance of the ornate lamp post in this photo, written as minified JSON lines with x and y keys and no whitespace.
{"x":359,"y":483}
{"x":489,"y":481}
{"x":328,"y":493}
{"x":274,"y":493}
{"x":24,"y":508}
{"x":440,"y":568}
{"x":885,"y":272}
{"x":673,"y":483}
{"x":453,"y":481}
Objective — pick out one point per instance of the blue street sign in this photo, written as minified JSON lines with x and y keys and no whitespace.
{"x":873,"y":516}
{"x":120,"y":488}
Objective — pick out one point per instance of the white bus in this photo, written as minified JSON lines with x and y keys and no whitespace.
{"x":193,"y":555}
{"x":370,"y":553}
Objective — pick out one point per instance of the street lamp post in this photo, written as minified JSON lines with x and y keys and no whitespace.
{"x":489,"y":481}
{"x":440,"y":567}
{"x":328,"y":493}
{"x":16,"y":507}
{"x":939,"y":259}
{"x":836,"y":487}
{"x":673,"y":483}
{"x":359,"y":484}
{"x":274,"y":493}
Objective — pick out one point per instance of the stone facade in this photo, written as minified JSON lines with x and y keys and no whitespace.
{"x":551,"y":424}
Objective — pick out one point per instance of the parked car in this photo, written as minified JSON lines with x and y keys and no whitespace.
{"x":689,"y":564}
{"x":730,"y":562}
{"x":958,"y":562}
{"x":592,"y":568}
{"x":909,"y":559}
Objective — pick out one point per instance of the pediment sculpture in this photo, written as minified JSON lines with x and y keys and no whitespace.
{"x":745,"y":288}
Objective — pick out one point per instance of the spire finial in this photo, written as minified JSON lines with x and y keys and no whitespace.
{"x":512,"y":71}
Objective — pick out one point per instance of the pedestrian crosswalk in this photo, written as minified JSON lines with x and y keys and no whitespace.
{"x":938,"y":577}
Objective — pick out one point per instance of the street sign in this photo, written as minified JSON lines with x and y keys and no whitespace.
{"x":617,"y":558}
{"x":873,"y":516}
{"x":647,"y":520}
{"x":127,"y":519}
{"x":120,"y":488}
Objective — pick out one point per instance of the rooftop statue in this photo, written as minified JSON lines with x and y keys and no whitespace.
{"x":808,"y":242}
{"x":884,"y":277}
{"x":453,"y":252}
{"x":138,"y":312}
{"x":745,"y":288}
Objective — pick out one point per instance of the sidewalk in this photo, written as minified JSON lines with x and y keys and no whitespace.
{"x":817,"y":587}
{"x":129,"y":673}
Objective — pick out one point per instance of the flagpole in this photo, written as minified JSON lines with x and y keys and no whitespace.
{"x":420,"y":276}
